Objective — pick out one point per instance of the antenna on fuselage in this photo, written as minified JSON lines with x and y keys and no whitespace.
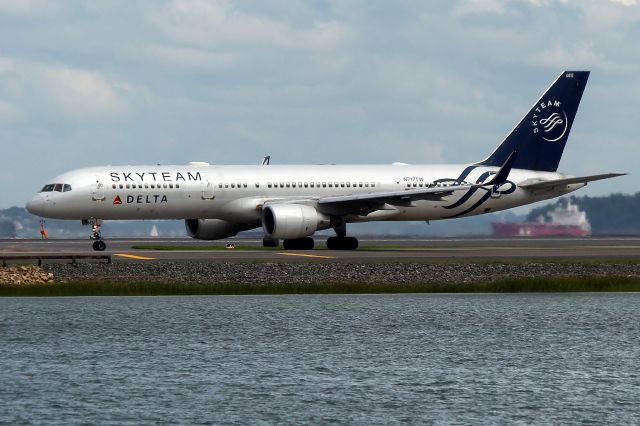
{"x":265,"y":160}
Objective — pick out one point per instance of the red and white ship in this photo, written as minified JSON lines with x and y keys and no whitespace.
{"x":565,"y":221}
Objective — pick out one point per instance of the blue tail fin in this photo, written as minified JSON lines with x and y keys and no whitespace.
{"x":541,"y":135}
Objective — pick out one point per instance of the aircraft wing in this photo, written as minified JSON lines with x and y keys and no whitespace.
{"x":366,"y":203}
{"x":377,"y":200}
{"x":537,"y":185}
{"x":400,"y":197}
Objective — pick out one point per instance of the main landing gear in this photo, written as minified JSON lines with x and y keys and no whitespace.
{"x":306,"y":243}
{"x":98,"y":243}
{"x":339,"y":242}
{"x":342,"y":243}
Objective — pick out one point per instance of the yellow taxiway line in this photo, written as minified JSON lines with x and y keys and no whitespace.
{"x":133,"y":256}
{"x":307,"y":255}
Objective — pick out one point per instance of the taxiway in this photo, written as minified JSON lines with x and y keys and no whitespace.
{"x":372,"y":249}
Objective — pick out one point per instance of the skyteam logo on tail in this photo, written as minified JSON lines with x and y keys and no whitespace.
{"x":549,"y":120}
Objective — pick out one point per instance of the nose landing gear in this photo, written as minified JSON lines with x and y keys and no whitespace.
{"x":96,"y":235}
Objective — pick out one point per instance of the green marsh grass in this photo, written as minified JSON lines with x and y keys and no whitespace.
{"x":142,"y":288}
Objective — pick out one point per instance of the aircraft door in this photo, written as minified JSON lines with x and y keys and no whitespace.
{"x":207,"y":190}
{"x":97,"y":193}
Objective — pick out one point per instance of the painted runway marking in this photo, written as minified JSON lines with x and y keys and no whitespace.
{"x":307,"y":255}
{"x":133,"y":256}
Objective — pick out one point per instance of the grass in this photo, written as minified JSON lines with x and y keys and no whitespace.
{"x":142,"y":288}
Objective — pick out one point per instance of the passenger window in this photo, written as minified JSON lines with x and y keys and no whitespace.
{"x":121,"y":186}
{"x":299,"y":184}
{"x":309,"y":184}
{"x":288,"y":184}
{"x":244,"y":185}
{"x":146,"y":186}
{"x":170,"y":186}
{"x":324,"y":184}
{"x":348,"y":184}
{"x":177,"y":186}
{"x":113,"y":186}
{"x":164,"y":185}
{"x":226,"y":185}
{"x":360,"y":184}
{"x":342,"y":184}
{"x":317,"y":184}
{"x":128,"y":186}
{"x":415,"y":184}
{"x":281,"y":184}
{"x":330,"y":185}
{"x":366,"y":184}
{"x":269,"y":184}
{"x":153,"y":186}
{"x":233,"y":185}
{"x":257,"y":185}
{"x":293,"y":184}
{"x":373,"y":184}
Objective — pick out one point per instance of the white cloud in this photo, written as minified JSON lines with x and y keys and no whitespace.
{"x":44,"y":91}
{"x":577,"y":56}
{"x":190,"y":57}
{"x":626,"y":2}
{"x":482,"y":6}
{"x":216,"y":23}
{"x":10,"y":113}
{"x":83,"y":94}
{"x":22,"y":7}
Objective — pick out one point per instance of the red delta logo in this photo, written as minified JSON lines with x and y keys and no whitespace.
{"x":117,"y":200}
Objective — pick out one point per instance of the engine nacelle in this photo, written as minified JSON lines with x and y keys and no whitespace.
{"x":211,"y":229}
{"x":289,"y":221}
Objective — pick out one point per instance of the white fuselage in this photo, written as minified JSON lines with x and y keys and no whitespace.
{"x":238,"y":193}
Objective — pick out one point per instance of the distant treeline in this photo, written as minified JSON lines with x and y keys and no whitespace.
{"x":615,"y":214}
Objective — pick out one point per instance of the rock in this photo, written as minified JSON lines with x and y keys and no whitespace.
{"x":29,"y":274}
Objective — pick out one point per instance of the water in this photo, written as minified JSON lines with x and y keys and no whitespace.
{"x":565,"y":358}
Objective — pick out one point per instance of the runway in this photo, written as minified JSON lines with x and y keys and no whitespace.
{"x":372,"y":249}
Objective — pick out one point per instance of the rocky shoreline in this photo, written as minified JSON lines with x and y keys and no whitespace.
{"x":25,"y":274}
{"x":303,"y":273}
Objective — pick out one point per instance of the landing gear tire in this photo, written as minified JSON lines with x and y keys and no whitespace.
{"x":306,"y":243}
{"x":96,"y":235}
{"x":268,"y":242}
{"x":342,"y":243}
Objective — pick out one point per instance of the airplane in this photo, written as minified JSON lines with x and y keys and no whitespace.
{"x":292,"y":202}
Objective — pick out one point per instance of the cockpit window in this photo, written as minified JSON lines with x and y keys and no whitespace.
{"x":59,"y":187}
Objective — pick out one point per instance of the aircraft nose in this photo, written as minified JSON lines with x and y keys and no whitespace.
{"x":36,"y":205}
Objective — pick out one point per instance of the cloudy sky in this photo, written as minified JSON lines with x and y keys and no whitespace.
{"x":144,"y":82}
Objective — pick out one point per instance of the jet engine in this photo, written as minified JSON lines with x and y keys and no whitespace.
{"x":211,"y":229}
{"x":291,"y":221}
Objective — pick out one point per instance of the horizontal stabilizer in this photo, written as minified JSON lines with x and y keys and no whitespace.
{"x":535,"y":185}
